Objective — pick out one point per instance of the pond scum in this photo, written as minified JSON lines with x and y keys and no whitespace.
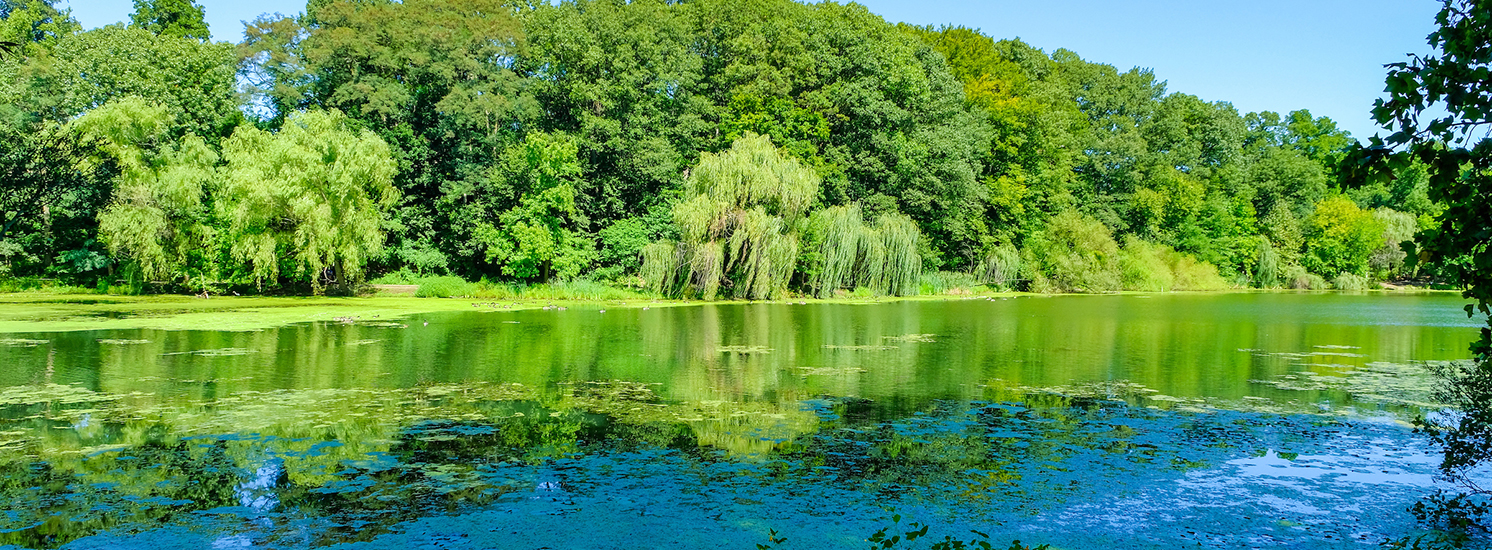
{"x":298,"y":468}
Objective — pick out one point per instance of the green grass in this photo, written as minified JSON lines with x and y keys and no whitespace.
{"x":945,"y":282}
{"x":33,"y":284}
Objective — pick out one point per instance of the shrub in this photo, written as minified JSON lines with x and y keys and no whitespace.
{"x":1298,"y":278}
{"x":1270,"y":266}
{"x":1388,"y":259}
{"x":444,"y":287}
{"x":1001,"y":267}
{"x":1341,"y":238}
{"x":1157,"y":268}
{"x":1073,"y":253}
{"x":1349,"y":281}
{"x":942,"y":282}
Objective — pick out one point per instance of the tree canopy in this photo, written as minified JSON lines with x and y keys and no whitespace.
{"x":530,"y":142}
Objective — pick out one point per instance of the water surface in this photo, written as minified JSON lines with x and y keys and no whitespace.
{"x":1225,"y":420}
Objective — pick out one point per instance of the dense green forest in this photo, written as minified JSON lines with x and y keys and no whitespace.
{"x":703,"y":148}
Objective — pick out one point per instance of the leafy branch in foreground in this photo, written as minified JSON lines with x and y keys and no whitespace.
{"x":1439,"y":109}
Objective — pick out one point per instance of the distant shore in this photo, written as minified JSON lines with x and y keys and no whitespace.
{"x":54,"y":311}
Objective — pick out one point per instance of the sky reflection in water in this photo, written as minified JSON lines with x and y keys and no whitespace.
{"x":1178,"y":425}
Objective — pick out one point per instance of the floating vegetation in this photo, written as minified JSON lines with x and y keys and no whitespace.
{"x":866,"y":347}
{"x":1410,"y":384}
{"x":218,"y":352}
{"x":121,"y":341}
{"x":364,"y":342}
{"x":1337,"y":354}
{"x":923,"y":338}
{"x":1112,"y":390}
{"x":21,"y":342}
{"x":601,"y":392}
{"x":1337,"y":347}
{"x":743,"y":350}
{"x":383,"y":324}
{"x":52,"y":393}
{"x":829,"y":371}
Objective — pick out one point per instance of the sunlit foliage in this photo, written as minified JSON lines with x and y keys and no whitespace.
{"x":308,"y":203}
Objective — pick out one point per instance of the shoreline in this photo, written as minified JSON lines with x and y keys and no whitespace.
{"x":46,"y":311}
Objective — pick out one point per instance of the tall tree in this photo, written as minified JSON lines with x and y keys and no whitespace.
{"x":174,"y":18}
{"x":433,"y":78}
{"x":308,"y":204}
{"x":194,"y":81}
{"x":158,"y":218}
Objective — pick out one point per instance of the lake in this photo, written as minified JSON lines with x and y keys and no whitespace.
{"x":1225,"y":420}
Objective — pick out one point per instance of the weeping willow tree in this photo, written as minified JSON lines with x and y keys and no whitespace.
{"x":737,"y":225}
{"x":881,"y":257}
{"x":308,"y":203}
{"x":158,"y":217}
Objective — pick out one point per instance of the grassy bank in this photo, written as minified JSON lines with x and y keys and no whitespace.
{"x":60,"y":308}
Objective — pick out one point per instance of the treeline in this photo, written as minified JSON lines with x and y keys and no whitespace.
{"x":705,"y":148}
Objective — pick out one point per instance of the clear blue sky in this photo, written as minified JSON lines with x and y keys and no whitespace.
{"x":1278,"y":55}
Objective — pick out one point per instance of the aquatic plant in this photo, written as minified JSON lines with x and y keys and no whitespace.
{"x":881,"y":540}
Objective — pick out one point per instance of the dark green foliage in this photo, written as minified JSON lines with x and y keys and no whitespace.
{"x":556,"y":140}
{"x":47,"y":182}
{"x":885,"y":539}
{"x":192,"y":80}
{"x":1439,"y":107}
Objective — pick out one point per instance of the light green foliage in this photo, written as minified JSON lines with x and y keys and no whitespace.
{"x":193,"y":81}
{"x":159,"y":216}
{"x":946,"y":282}
{"x":1349,"y":281}
{"x":1340,"y":238}
{"x":737,"y":224}
{"x":661,"y":263}
{"x":1282,"y":228}
{"x":1000,"y":267}
{"x":274,"y":74}
{"x":882,"y":257}
{"x":36,"y":25}
{"x":1298,"y":278}
{"x":622,"y":244}
{"x":1075,"y":253}
{"x":1157,"y":268}
{"x":444,"y":287}
{"x":308,"y":203}
{"x":537,"y":238}
{"x":1318,"y":138}
{"x":1269,"y":268}
{"x":1398,"y":227}
{"x":173,"y":18}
